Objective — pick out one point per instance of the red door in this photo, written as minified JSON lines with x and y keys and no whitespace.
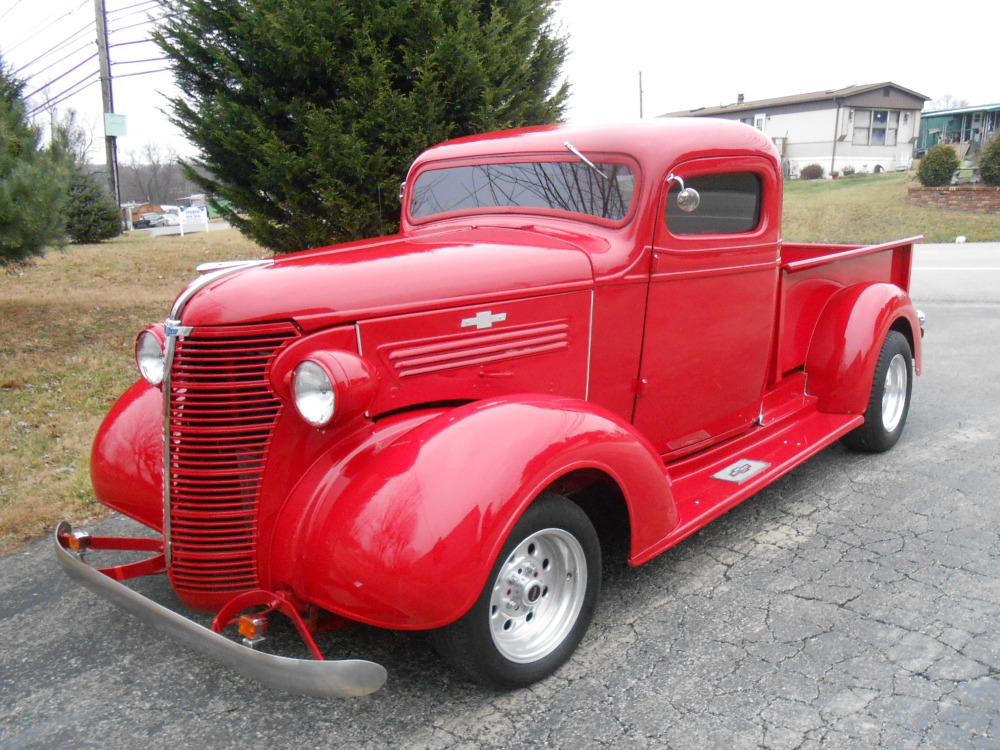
{"x":710,"y":313}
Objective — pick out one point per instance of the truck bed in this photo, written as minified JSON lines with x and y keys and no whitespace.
{"x":812,"y":273}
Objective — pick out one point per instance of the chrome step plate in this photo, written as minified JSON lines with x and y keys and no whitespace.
{"x":741,"y":471}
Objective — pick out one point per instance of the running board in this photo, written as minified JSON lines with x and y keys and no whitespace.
{"x":709,"y":483}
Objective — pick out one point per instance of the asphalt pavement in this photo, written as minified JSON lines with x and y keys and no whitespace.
{"x":853,"y":604}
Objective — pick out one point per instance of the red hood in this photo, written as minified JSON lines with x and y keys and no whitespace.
{"x":395,"y":274}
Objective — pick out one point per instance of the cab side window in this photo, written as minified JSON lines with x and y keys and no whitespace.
{"x":730,"y":204}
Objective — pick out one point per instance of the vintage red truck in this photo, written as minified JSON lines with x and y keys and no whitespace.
{"x":431,"y":431}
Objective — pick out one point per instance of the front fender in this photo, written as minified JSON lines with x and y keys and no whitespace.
{"x":847,"y":340}
{"x":403,"y":535}
{"x":126,"y":462}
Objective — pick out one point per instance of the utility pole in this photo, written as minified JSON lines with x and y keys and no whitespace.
{"x":640,"y":94}
{"x":110,"y":141}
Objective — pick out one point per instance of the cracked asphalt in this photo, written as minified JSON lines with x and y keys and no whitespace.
{"x":853,"y":604}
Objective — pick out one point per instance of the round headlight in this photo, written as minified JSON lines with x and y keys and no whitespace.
{"x":149,"y":357}
{"x":313,"y":390}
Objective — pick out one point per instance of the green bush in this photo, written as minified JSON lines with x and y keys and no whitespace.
{"x":811,"y":172}
{"x":33,"y":180}
{"x":989,"y":162}
{"x":91,"y":215}
{"x":938,"y":166}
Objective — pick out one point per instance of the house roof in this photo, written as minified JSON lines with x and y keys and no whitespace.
{"x":815,"y":96}
{"x":962,"y":110}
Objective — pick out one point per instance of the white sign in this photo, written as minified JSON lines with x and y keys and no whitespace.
{"x":194,"y":214}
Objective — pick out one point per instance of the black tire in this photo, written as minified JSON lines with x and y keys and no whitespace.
{"x":889,"y":402}
{"x":540,"y":566}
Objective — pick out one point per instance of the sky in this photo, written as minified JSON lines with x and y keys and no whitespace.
{"x":693,"y":53}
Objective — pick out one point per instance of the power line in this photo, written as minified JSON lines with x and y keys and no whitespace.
{"x":143,"y":73}
{"x":44,"y":26}
{"x":149,"y":9}
{"x":142,"y":23}
{"x":67,"y":93}
{"x":11,"y":8}
{"x":52,"y":65}
{"x":78,"y":65}
{"x":127,"y":44}
{"x":134,"y":5}
{"x":57,"y":47}
{"x":132,"y":62}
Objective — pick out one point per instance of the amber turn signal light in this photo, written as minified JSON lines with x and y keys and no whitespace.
{"x":78,"y":541}
{"x":252,"y":627}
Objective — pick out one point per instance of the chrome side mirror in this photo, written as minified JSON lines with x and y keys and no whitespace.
{"x":688,"y":198}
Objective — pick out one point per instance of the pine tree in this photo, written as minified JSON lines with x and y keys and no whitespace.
{"x":32,"y":181}
{"x":307,"y":113}
{"x":91,"y":215}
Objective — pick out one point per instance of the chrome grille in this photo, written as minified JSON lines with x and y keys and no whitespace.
{"x":221,"y":416}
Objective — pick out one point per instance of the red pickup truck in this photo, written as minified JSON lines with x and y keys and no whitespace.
{"x":575,"y":328}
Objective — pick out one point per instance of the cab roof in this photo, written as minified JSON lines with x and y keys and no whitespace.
{"x":655,"y":144}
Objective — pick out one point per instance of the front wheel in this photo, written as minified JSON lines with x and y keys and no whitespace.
{"x":889,"y":402}
{"x":537,"y":602}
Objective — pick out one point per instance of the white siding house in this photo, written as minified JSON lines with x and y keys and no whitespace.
{"x":869,"y":128}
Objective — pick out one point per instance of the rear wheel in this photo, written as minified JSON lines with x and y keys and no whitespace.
{"x":537,"y":602}
{"x":889,"y":402}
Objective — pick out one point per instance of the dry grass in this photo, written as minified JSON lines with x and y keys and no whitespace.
{"x":67,"y":328}
{"x":68,"y":325}
{"x":871,"y":209}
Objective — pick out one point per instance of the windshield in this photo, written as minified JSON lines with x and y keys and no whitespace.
{"x":556,"y":185}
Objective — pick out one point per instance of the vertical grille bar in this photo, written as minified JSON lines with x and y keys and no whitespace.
{"x":221,"y":413}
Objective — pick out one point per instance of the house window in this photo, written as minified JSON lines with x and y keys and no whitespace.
{"x":730,"y":204}
{"x":875,"y":127}
{"x":758,"y":121}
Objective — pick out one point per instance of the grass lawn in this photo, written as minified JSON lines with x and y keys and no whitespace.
{"x":68,"y":325}
{"x":871,"y":209}
{"x":67,"y":329}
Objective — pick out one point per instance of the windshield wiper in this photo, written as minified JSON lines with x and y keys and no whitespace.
{"x":584,"y":159}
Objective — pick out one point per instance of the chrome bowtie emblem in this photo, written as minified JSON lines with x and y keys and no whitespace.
{"x":484,"y":319}
{"x":174,"y":328}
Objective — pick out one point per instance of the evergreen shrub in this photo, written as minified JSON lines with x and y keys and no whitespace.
{"x":938,"y":166}
{"x":811,"y":172}
{"x":989,"y":162}
{"x":91,"y":215}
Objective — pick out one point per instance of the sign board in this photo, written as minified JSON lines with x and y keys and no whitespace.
{"x":114,"y":125}
{"x":194,"y":214}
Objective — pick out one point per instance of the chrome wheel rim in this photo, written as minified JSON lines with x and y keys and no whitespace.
{"x":538,"y":595}
{"x":894,"y":393}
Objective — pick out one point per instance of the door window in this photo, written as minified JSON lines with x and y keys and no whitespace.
{"x":730,"y":204}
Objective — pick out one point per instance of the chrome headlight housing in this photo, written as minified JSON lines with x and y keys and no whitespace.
{"x":313,"y":392}
{"x":149,"y":355}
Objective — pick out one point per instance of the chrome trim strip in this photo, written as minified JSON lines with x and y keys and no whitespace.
{"x":339,"y":679}
{"x":174,"y":329}
{"x":229,"y":264}
{"x":202,"y":281}
{"x":169,"y":345}
{"x":357,"y":331}
{"x":590,"y":346}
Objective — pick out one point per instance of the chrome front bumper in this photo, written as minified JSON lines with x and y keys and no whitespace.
{"x":340,"y":679}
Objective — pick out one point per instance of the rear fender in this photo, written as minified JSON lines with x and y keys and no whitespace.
{"x":403,"y":535}
{"x":847,"y":340}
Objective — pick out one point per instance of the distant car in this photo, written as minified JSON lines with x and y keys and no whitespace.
{"x":147,"y":220}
